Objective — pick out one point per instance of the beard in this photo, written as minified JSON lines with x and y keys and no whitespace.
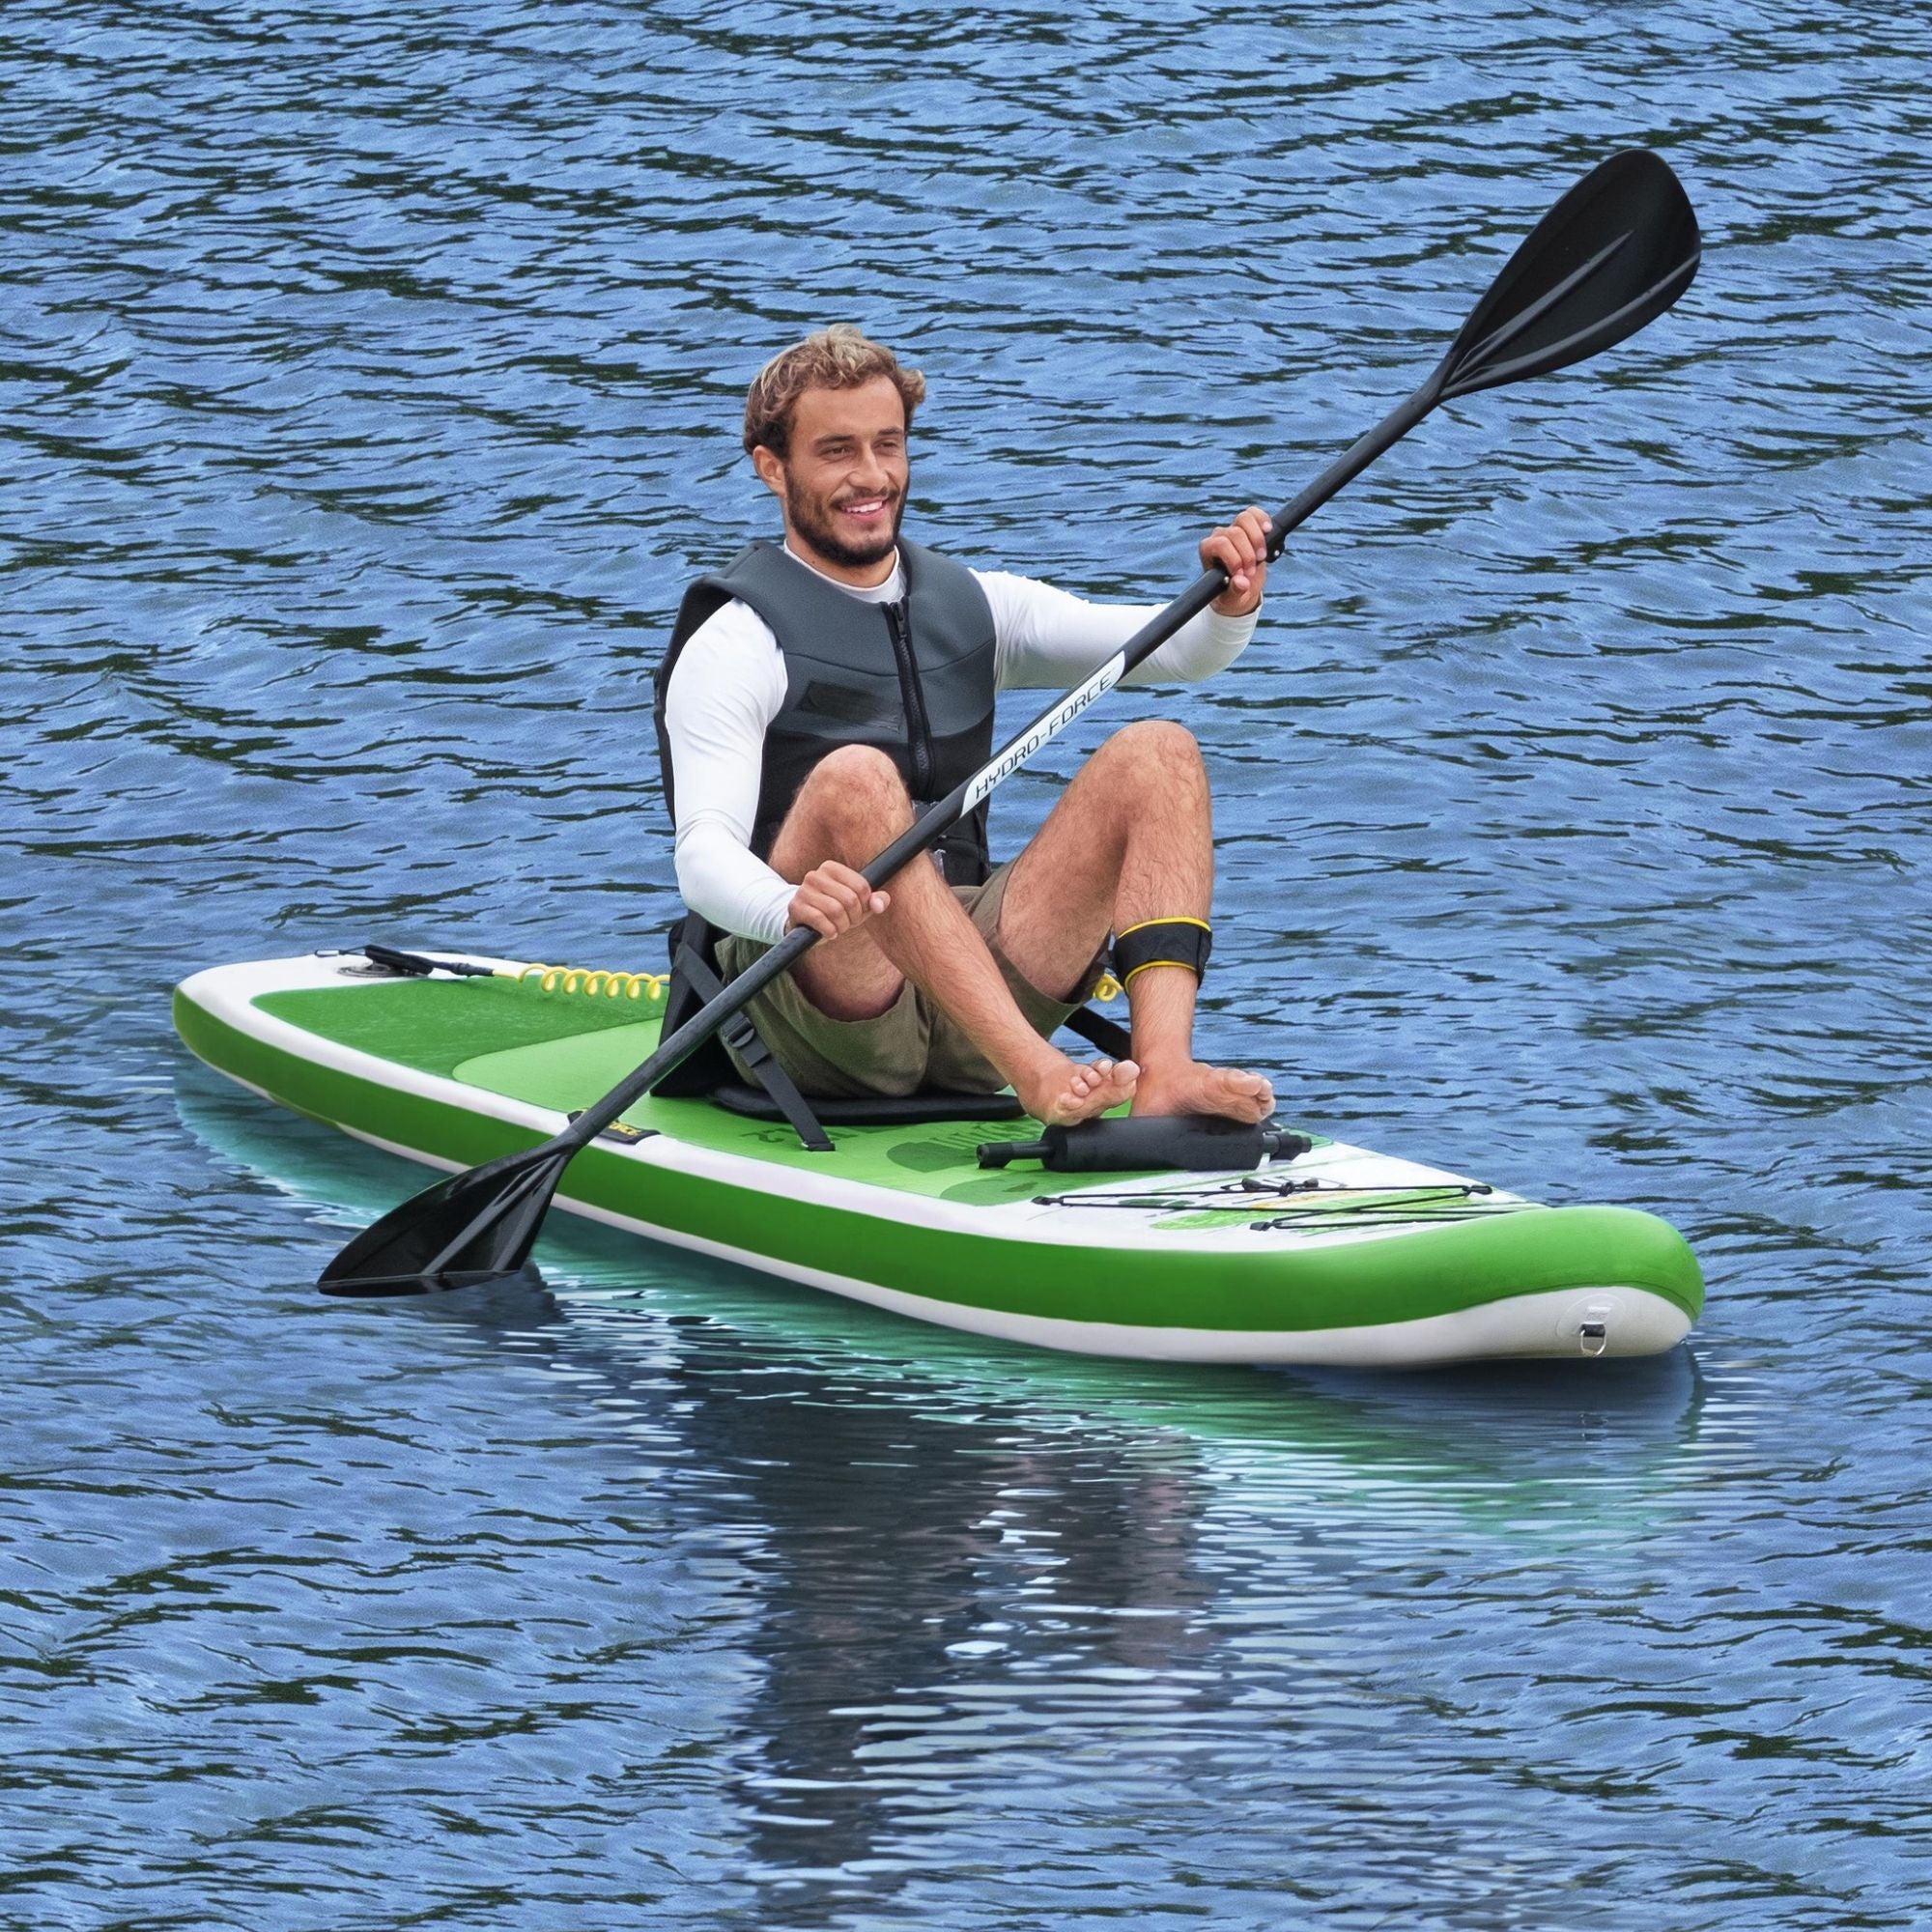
{"x":814,"y":519}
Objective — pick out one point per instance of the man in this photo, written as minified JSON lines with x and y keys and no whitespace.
{"x":815,"y":696}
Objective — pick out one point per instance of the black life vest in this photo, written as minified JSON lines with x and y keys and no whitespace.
{"x":913,"y":678}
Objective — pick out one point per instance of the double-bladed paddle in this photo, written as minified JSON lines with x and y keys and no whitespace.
{"x":1614,"y":254}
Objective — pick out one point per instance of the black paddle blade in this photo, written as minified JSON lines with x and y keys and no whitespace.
{"x":1614,"y":254}
{"x":474,"y":1227}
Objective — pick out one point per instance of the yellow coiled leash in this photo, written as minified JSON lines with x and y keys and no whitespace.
{"x":591,"y":983}
{"x":549,"y":978}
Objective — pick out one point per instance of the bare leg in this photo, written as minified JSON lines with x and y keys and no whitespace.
{"x":1132,"y":839}
{"x":851,"y":806}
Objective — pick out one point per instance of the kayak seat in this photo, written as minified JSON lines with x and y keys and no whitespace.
{"x":709,"y":1073}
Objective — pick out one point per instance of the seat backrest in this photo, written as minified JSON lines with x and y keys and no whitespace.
{"x":710,"y":1066}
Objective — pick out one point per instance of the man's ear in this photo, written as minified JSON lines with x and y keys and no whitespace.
{"x":771,"y":470}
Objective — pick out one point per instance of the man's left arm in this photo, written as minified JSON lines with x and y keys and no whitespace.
{"x":1050,"y":638}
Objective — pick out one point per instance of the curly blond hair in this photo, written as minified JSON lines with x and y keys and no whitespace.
{"x":837,"y":357}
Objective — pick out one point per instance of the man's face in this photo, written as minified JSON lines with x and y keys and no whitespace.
{"x":844,"y":480}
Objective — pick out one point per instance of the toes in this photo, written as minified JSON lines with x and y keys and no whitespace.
{"x":1254,"y":1095}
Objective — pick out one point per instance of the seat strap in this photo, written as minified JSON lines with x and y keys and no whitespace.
{"x":692,"y":971}
{"x":1098,"y":1030}
{"x":688,"y":963}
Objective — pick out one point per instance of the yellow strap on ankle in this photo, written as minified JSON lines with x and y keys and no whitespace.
{"x":1163,"y":942}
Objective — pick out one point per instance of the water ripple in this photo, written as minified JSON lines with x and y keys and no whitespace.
{"x":369,"y":382}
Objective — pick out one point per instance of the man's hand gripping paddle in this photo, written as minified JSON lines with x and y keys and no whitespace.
{"x":1614,"y":254}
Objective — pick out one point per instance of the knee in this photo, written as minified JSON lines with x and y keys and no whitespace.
{"x":857,"y":768}
{"x":857,"y":783}
{"x":1156,"y":744}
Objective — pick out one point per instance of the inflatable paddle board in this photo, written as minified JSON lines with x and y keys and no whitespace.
{"x":1336,"y":1254}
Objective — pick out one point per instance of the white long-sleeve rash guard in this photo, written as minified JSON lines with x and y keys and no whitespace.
{"x":729,"y":684}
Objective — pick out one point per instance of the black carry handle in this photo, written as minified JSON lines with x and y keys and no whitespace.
{"x":1151,"y":1144}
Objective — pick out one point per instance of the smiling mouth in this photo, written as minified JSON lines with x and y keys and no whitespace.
{"x":863,"y":507}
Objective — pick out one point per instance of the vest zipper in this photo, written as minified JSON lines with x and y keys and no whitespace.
{"x":898,"y":621}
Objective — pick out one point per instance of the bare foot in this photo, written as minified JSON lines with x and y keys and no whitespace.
{"x":1193,"y":1087}
{"x":1060,"y":1092}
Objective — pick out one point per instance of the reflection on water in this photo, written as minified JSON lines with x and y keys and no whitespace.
{"x":367,"y":381}
{"x":987,"y":1552}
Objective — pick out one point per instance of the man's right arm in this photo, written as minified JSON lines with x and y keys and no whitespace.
{"x":729,"y":685}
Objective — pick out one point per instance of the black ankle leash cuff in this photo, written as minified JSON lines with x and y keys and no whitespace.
{"x":1163,"y":942}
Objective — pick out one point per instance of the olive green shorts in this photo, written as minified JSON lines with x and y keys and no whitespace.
{"x":912,"y":1047}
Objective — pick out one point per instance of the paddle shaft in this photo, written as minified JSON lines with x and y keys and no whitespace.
{"x":939,"y":818}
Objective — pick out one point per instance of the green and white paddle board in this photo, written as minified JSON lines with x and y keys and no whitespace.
{"x":1337,"y":1256}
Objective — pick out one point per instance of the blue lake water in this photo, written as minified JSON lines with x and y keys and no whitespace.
{"x":368,"y":392}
